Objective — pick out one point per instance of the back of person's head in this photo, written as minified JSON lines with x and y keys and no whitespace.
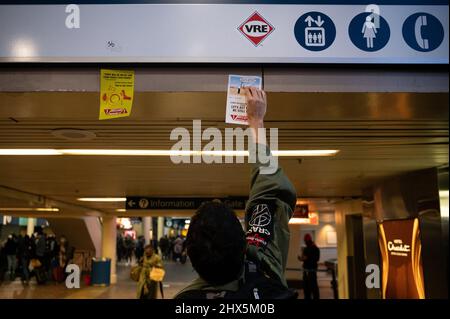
{"x":216,"y":243}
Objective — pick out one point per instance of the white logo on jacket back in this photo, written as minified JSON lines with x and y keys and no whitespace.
{"x":261,"y":216}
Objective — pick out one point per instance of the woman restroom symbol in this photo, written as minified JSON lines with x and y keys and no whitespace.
{"x":369,"y":31}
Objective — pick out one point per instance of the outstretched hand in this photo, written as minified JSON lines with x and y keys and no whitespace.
{"x":256,"y":110}
{"x":256,"y":107}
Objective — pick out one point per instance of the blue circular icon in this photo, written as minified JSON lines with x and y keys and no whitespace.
{"x":369,"y":31}
{"x":423,"y":32}
{"x":315,"y":31}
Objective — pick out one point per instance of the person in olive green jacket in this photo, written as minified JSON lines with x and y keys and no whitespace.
{"x":218,"y":247}
{"x":147,"y":288}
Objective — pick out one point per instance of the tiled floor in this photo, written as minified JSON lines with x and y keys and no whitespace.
{"x":177,"y":276}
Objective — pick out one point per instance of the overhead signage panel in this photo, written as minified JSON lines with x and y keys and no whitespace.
{"x":405,"y":32}
{"x":180,"y":203}
{"x":364,"y":2}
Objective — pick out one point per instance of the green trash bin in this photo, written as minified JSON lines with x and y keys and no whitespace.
{"x":101,"y":272}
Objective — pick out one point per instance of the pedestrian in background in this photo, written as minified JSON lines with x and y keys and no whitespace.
{"x":11,"y":255}
{"x":24,"y":254}
{"x":177,"y":248}
{"x":310,"y":258}
{"x":139,"y":251}
{"x":129,"y":249}
{"x":65,"y":254}
{"x":164,"y":246}
{"x":147,"y":288}
{"x":51,"y":253}
{"x":3,"y":264}
{"x":120,"y":247}
{"x":40,"y":242}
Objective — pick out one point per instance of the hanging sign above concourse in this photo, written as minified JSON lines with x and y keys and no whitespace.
{"x":303,"y":31}
{"x":180,"y":203}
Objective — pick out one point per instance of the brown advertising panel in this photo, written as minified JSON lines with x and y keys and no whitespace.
{"x":400,"y":246}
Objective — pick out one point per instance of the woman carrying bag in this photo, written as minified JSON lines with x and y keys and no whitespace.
{"x":151,"y":273}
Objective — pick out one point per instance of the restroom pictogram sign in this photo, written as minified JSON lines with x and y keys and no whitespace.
{"x":116,"y":93}
{"x":256,"y":28}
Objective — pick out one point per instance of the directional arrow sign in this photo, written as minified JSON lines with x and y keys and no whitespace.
{"x":309,"y":20}
{"x":319,"y":21}
{"x":175,"y":203}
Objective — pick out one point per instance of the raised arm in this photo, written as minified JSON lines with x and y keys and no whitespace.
{"x":271,"y":202}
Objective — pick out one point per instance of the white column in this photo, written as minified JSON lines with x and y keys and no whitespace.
{"x":30,"y":226}
{"x":160,"y":229}
{"x":109,"y":237}
{"x":147,"y":222}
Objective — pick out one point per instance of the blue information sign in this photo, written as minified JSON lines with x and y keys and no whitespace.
{"x":423,"y":32}
{"x":315,"y":31}
{"x":369,"y":31}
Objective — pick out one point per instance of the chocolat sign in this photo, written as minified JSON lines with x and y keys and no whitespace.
{"x":400,"y":248}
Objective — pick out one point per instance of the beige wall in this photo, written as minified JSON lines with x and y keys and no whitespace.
{"x":341,"y":210}
{"x":78,"y":232}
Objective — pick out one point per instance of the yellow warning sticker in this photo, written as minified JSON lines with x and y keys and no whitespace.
{"x":116,"y":93}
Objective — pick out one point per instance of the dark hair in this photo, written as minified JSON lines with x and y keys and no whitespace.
{"x":216,"y":243}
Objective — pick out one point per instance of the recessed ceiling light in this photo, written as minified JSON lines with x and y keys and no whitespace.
{"x":300,"y":153}
{"x":73,"y":134}
{"x":29,"y":209}
{"x":111,"y":152}
{"x":297,"y":221}
{"x":31,"y":151}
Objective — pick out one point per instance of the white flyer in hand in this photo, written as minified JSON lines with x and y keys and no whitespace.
{"x":236,"y":105}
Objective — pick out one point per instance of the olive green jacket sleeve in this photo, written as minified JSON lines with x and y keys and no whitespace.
{"x":270,"y":206}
